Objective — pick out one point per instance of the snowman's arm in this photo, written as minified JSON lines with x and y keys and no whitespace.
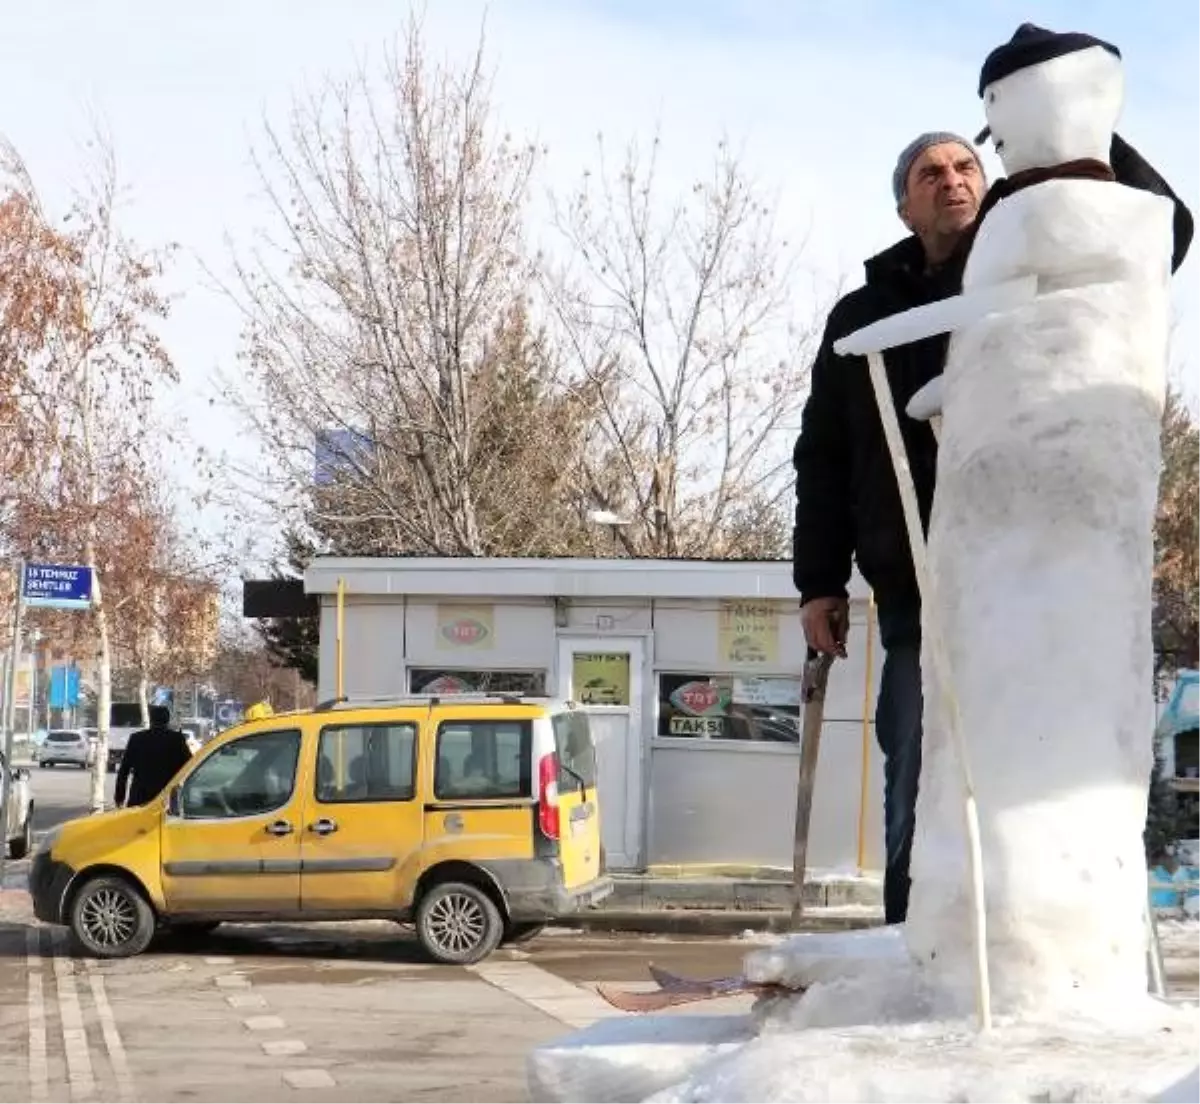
{"x":927,"y":402}
{"x":944,"y":316}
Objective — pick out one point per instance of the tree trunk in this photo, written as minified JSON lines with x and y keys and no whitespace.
{"x":104,"y":679}
{"x":144,"y":698}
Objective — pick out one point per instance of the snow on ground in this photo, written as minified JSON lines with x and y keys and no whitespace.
{"x":948,"y":1061}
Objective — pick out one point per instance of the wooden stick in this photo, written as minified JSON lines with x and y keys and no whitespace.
{"x":941,"y":663}
{"x":812,"y":694}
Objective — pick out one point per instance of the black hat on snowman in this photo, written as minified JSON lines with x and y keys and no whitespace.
{"x":1033,"y":45}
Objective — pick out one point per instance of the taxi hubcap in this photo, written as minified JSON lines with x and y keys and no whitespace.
{"x":109,"y":918}
{"x":457,"y":922}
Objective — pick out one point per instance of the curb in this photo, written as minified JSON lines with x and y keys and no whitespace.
{"x":723,"y":922}
{"x":16,"y":907}
{"x":632,"y":894}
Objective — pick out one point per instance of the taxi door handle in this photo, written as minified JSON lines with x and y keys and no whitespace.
{"x":280,"y":828}
{"x":323,"y":827}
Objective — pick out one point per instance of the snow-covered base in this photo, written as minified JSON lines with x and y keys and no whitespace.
{"x":630,"y":1059}
{"x":951,"y":1062}
{"x":869,"y":1027}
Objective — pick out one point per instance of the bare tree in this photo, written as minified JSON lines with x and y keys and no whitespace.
{"x":679,"y":312}
{"x":387,"y":316}
{"x":167,"y":602}
{"x":87,"y":387}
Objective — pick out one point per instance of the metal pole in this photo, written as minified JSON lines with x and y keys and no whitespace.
{"x":10,"y":711}
{"x":863,"y":788}
{"x":1154,"y":960}
{"x":35,"y":638}
{"x":340,"y":641}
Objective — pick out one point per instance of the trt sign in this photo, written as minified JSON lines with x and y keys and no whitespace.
{"x":57,"y":586}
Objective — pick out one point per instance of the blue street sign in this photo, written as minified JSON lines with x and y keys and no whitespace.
{"x":64,"y":687}
{"x":229,"y":713}
{"x":57,"y":586}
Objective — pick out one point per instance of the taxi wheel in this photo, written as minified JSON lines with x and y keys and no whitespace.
{"x":111,"y":919}
{"x":23,"y":844}
{"x":458,"y":924}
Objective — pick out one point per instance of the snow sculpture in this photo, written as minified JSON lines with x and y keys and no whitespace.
{"x":1040,"y":552}
{"x":1038,"y":570}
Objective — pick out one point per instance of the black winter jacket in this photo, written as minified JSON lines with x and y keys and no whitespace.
{"x":153,"y":756}
{"x":847,"y":498}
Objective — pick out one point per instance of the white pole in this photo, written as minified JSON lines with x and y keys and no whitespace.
{"x":1158,"y":976}
{"x":941,"y":662}
{"x":35,"y":638}
{"x":10,"y":710}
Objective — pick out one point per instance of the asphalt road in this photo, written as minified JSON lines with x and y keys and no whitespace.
{"x":314,"y":1012}
{"x":298,"y":1012}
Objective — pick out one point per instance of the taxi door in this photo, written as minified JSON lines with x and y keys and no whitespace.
{"x":360,"y":847}
{"x":483,"y":806}
{"x":578,"y":802}
{"x":231,"y":833}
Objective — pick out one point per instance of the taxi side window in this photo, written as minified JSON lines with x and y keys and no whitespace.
{"x":483,"y":759}
{"x":246,"y":777}
{"x":374,"y":762}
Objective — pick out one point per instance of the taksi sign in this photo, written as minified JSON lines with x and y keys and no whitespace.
{"x":57,"y":586}
{"x":701,"y":706}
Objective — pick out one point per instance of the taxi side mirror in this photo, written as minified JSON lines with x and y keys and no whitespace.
{"x":173,"y":802}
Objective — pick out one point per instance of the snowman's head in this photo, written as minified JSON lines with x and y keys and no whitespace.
{"x":1052,"y":98}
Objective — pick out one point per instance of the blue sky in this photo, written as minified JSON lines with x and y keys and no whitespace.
{"x":819,"y":95}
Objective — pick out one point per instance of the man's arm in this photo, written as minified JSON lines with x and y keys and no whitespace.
{"x":823,"y":538}
{"x":126,"y":766}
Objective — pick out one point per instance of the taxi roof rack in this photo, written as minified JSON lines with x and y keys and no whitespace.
{"x":500,"y":696}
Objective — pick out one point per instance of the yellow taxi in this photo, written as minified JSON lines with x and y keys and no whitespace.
{"x":476,"y":819}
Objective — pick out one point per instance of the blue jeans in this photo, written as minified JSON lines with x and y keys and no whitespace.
{"x":898,"y":730}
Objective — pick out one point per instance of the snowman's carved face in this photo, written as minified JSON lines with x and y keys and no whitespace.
{"x":1061,"y":110}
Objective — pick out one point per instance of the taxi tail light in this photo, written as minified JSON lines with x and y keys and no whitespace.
{"x":548,"y":800}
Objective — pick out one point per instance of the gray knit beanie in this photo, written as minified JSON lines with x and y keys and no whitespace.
{"x":915,"y":148}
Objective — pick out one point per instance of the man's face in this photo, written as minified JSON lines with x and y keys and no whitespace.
{"x":945,"y":186}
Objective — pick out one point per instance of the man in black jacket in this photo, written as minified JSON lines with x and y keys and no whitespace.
{"x":847,"y":498}
{"x":153,"y":756}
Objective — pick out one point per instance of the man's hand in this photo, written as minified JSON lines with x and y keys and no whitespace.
{"x":826,"y":622}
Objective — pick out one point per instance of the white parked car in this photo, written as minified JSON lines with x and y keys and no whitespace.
{"x":19,"y":831}
{"x":66,"y":745}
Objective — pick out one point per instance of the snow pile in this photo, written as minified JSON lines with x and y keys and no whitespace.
{"x":630,"y":1059}
{"x":951,"y":1061}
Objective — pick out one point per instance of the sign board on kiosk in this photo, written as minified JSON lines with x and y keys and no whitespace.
{"x":57,"y":586}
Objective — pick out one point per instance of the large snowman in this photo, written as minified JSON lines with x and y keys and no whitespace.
{"x":1037,"y":669}
{"x":1037,"y":658}
{"x":1040,"y":553}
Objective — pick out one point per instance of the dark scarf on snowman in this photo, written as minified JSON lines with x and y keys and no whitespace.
{"x":1128,"y":167}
